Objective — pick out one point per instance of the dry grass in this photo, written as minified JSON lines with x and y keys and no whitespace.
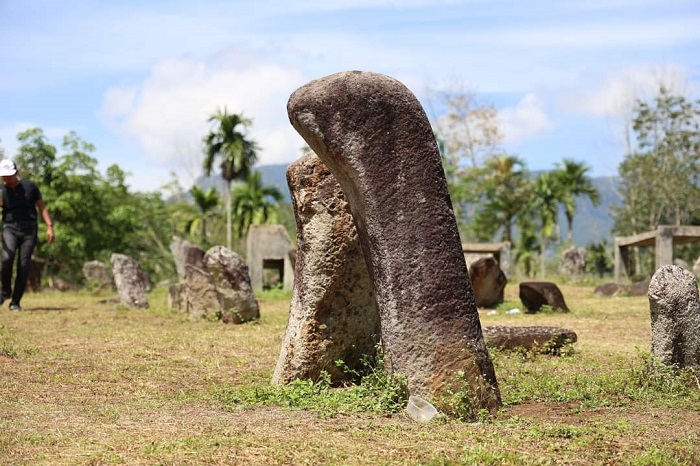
{"x":85,"y":382}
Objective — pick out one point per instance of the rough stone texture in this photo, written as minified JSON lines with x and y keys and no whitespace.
{"x":269,"y":244}
{"x":333,"y":315}
{"x":488,"y":281}
{"x":374,"y":136}
{"x":131,"y":281}
{"x":675,"y":317}
{"x":98,"y":275}
{"x":185,"y":253}
{"x":229,"y":275}
{"x":534,"y":295}
{"x":573,"y":262}
{"x":536,"y":338}
{"x":201,"y":297}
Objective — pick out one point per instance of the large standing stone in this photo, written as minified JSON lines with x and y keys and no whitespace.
{"x":675,"y":317}
{"x":229,"y":275}
{"x":333,"y":315}
{"x":131,"y":281}
{"x":185,"y":253}
{"x":488,"y":281}
{"x":374,"y":136}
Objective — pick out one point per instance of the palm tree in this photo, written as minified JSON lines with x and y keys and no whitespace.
{"x":206,"y":202}
{"x":237,"y":153}
{"x":547,"y":197}
{"x":574,"y":183}
{"x":507,"y":189}
{"x":254,"y":203}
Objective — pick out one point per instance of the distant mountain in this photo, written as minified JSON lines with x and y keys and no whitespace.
{"x":591,"y":224}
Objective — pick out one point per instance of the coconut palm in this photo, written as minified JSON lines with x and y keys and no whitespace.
{"x":206,"y":202}
{"x":236,"y":152}
{"x":547,"y":196}
{"x":506,"y":189}
{"x":573,"y":183}
{"x":254,"y":203}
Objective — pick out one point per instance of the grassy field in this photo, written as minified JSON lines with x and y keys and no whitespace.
{"x":84,"y":381}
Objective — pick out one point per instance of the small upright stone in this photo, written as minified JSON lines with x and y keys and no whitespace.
{"x":229,"y":275}
{"x":131,"y":281}
{"x":488,"y":281}
{"x":675,"y":317}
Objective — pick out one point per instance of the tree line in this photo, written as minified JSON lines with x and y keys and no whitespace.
{"x":96,"y":214}
{"x":495,"y":196}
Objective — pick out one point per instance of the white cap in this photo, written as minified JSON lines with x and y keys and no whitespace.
{"x":7,"y":168}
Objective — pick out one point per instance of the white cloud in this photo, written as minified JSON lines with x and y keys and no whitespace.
{"x":169,"y":110}
{"x":526,"y":120}
{"x":615,"y":93}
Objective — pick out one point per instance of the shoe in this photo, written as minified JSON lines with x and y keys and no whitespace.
{"x":3,"y":299}
{"x":15,"y":307}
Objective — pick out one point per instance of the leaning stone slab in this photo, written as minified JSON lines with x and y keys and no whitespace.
{"x":534,"y":295}
{"x":373,"y":135}
{"x":131,"y":281}
{"x":332,"y":315}
{"x":536,"y":338}
{"x":675,"y":317}
{"x":488,"y":282}
{"x":229,"y":275}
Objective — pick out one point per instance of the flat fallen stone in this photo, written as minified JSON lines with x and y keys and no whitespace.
{"x":537,"y":338}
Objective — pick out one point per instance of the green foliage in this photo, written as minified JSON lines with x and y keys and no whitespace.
{"x":236,"y":152}
{"x":377,"y":392}
{"x":660,"y":179}
{"x":530,"y":378}
{"x":573,"y":182}
{"x":206,"y":203}
{"x":506,"y":193}
{"x":599,"y":259}
{"x":94,"y":215}
{"x":254,"y":203}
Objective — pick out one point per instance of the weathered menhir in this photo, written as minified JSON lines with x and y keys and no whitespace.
{"x":373,"y":135}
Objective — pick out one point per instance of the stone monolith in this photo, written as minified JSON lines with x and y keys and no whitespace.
{"x":373,"y":135}
{"x":675,"y":317}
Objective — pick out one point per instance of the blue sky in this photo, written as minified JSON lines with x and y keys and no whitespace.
{"x":139,"y":78}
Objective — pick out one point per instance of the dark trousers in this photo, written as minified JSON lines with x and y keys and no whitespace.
{"x":22,"y":238}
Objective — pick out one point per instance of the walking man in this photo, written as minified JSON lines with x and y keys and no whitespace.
{"x":20,"y":201}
